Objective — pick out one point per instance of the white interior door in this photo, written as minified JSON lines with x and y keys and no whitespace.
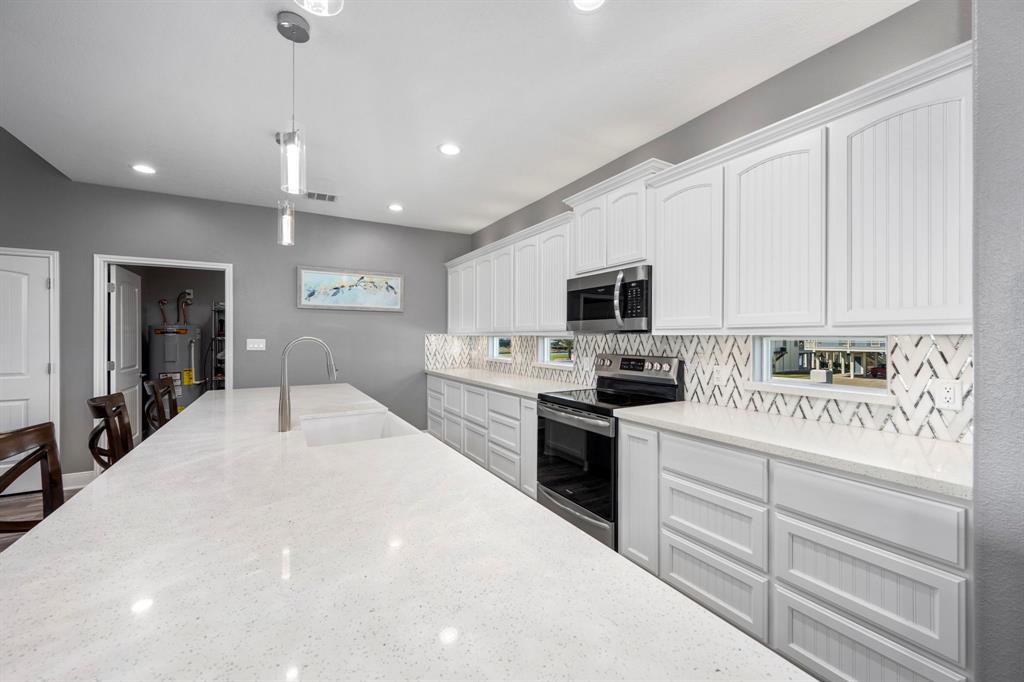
{"x":124,"y":347}
{"x":24,"y":350}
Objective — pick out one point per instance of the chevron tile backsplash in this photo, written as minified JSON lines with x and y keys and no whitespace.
{"x":915,"y":362}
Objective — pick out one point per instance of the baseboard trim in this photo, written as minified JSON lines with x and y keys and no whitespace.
{"x":78,"y":480}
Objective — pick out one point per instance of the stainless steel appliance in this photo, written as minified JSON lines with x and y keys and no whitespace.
{"x":617,"y":301}
{"x":577,"y":446}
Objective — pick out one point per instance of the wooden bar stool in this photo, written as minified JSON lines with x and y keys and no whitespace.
{"x":36,"y":445}
{"x":162,"y":394}
{"x":113,"y":412}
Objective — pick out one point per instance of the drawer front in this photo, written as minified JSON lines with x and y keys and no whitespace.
{"x":474,"y":404}
{"x":474,"y":442}
{"x":834,"y":648}
{"x":453,"y":431}
{"x":435,"y":402}
{"x":918,"y":525}
{"x":435,"y":384}
{"x":738,"y":595}
{"x":453,"y":397}
{"x":435,"y":426}
{"x":921,"y":604}
{"x":503,"y":463}
{"x":504,"y":432}
{"x":726,"y":523}
{"x":503,"y":404}
{"x":724,"y":467}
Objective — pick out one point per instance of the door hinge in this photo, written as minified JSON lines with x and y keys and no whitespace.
{"x":110,"y":287}
{"x":49,"y":282}
{"x":110,"y":366}
{"x":49,"y":368}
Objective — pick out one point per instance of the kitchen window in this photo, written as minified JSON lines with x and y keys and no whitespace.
{"x":816,"y":366}
{"x":556,"y":351}
{"x":499,"y":348}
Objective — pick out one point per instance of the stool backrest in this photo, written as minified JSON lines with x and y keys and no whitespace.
{"x":113,"y":413}
{"x":162,"y":405}
{"x":35,"y":445}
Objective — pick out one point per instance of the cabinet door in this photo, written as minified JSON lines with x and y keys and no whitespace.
{"x":589,"y":241}
{"x":900,"y":184}
{"x":638,"y":495}
{"x":484,"y":294}
{"x":454,"y":300}
{"x":688,"y":235}
{"x":503,"y":290}
{"x":528,"y":448}
{"x":467,"y":299}
{"x":775,"y":234}
{"x":554,"y":270}
{"x":526,"y":280}
{"x":626,"y":224}
{"x":474,"y":443}
{"x":435,"y":425}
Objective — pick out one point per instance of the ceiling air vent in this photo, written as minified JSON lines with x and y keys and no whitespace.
{"x":320,"y":196}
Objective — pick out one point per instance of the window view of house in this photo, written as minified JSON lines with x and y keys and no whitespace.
{"x":858,"y":362}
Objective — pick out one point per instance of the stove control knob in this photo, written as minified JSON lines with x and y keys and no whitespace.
{"x":667,"y":367}
{"x":648,"y":365}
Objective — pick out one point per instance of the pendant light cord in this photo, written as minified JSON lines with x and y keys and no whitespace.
{"x":293,"y":87}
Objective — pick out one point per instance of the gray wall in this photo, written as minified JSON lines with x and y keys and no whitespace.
{"x":998,"y":335}
{"x":207,"y":288}
{"x":917,"y":32}
{"x":381,"y":353}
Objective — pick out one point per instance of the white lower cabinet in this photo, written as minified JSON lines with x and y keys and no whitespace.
{"x":528,"y":447}
{"x":435,"y":425}
{"x":474,"y":442}
{"x":453,"y":431}
{"x":503,"y":463}
{"x":637,"y":525}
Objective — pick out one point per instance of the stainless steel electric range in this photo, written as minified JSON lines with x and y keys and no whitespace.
{"x":577,"y":432}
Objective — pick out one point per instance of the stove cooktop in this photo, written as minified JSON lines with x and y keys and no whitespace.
{"x":600,"y":401}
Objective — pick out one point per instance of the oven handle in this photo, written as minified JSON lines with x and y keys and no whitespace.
{"x":618,"y":292}
{"x":550,"y":498}
{"x":604,"y":427}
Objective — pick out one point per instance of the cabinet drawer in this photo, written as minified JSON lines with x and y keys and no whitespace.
{"x":738,"y":595}
{"x":726,"y":523}
{"x":474,"y":404}
{"x":453,"y":432}
{"x":435,"y":384}
{"x":435,"y":426}
{"x":921,"y":604}
{"x":435,"y":402}
{"x":907,"y":522}
{"x":474,"y":442}
{"x":503,"y":463}
{"x":724,"y":467}
{"x":503,"y":404}
{"x":453,"y":397}
{"x":504,"y":432}
{"x":835,"y":648}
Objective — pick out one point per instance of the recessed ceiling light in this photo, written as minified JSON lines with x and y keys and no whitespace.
{"x":396,"y":208}
{"x":587,"y":5}
{"x":144,"y":169}
{"x":449,"y":149}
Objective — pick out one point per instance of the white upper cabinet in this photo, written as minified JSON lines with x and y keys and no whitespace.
{"x":467,"y":298}
{"x":900,"y":182}
{"x":626,"y":224}
{"x":688,"y":231}
{"x":553,"y":263}
{"x":590,"y":235}
{"x":775,"y":234}
{"x":503,"y":290}
{"x":525,"y":302}
{"x":454,"y":302}
{"x":484,"y":295}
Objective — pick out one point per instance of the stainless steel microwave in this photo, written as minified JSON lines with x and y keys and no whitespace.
{"x":616,"y":301}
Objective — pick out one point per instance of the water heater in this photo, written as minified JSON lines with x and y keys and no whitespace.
{"x":176,"y":351}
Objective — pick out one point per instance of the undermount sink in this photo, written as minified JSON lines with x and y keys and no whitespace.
{"x":350,"y":427}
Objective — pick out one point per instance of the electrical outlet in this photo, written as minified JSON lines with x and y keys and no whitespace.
{"x":255,"y":344}
{"x":721,"y":376}
{"x":948,"y":394}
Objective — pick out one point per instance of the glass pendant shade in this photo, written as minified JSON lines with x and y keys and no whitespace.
{"x":321,"y":8}
{"x":293,"y":160}
{"x":285,"y":223}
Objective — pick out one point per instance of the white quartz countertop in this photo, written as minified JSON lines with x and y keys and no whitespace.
{"x":525,"y":387}
{"x":221,"y":549}
{"x":923,"y":463}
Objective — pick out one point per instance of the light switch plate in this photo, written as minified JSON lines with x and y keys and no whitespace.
{"x":255,"y":344}
{"x":721,"y":377}
{"x":948,"y":394}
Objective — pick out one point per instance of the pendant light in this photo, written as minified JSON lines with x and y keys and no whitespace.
{"x":321,"y":8}
{"x":285,"y":223}
{"x":292,"y":141}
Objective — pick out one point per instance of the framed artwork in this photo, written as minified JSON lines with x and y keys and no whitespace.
{"x":329,"y":289}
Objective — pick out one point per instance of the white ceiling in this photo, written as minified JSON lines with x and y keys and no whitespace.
{"x":536,"y":93}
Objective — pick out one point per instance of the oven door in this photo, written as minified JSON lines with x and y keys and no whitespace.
{"x":618,"y":301}
{"x":576,"y":468}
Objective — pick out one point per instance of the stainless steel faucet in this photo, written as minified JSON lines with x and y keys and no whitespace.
{"x":284,"y":401}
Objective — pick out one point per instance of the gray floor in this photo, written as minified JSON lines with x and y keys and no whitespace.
{"x":22,"y":506}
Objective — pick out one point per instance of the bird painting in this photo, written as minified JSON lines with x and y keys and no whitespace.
{"x":349,"y":291}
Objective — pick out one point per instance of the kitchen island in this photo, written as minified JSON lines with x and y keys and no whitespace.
{"x":222,"y":549}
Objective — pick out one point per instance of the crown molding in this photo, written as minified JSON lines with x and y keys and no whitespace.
{"x":525,"y":233}
{"x":919,"y":73}
{"x":637,"y":172}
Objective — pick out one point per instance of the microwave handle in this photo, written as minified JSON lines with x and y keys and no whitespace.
{"x":618,"y":291}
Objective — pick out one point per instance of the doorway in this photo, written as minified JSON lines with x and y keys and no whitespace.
{"x":161,"y":318}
